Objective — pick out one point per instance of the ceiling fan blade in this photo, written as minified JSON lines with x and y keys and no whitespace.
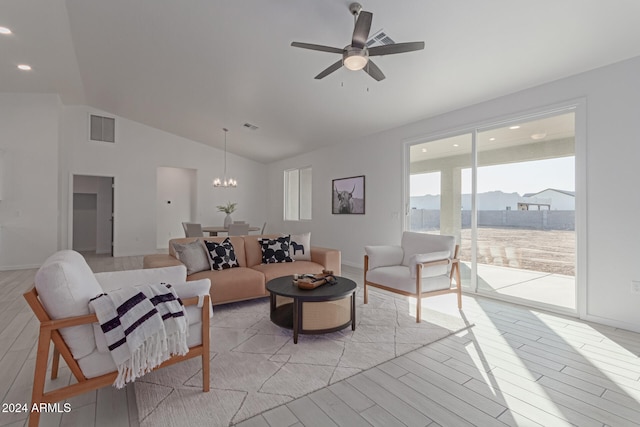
{"x":390,"y":49}
{"x":333,"y":67}
{"x":373,"y":70}
{"x":317,"y":47}
{"x":361,"y":30}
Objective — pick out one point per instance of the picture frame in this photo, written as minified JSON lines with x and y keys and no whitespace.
{"x":348,"y":196}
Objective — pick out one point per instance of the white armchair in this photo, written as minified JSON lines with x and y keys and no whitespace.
{"x":60,"y":300}
{"x":424,"y":265}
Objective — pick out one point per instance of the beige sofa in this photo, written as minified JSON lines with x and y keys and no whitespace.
{"x":249,"y":280}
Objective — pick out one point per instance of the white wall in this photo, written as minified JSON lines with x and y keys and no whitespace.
{"x":29,"y":208}
{"x":176,"y":202}
{"x":45,"y":143}
{"x":133,"y":162}
{"x":2,"y":172}
{"x":612,"y":152}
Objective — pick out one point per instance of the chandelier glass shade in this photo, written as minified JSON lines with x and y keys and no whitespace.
{"x":225,"y":182}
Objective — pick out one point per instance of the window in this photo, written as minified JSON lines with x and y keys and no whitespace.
{"x":297,"y":194}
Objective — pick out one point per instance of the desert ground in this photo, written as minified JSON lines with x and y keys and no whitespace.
{"x":550,"y":251}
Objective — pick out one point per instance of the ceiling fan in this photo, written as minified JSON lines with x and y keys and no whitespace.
{"x":356,"y":56}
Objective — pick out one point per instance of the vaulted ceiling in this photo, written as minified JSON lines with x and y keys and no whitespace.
{"x":193,"y":67}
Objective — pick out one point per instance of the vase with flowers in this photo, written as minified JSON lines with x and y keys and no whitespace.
{"x":229,"y":208}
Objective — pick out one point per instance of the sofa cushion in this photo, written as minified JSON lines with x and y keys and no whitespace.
{"x":383,"y":255}
{"x":272,"y":271}
{"x":234,"y":284}
{"x":253,"y":248}
{"x":421,"y":243}
{"x":300,"y":247}
{"x":65,"y":284}
{"x":429,"y":271}
{"x":111,"y":280}
{"x":275,"y":250}
{"x":237,"y":242}
{"x":399,"y":277}
{"x":222,"y":255}
{"x":193,"y":255}
{"x":99,"y":362}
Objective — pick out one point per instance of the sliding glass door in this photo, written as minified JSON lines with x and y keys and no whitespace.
{"x":507,"y":193}
{"x":440,"y":199}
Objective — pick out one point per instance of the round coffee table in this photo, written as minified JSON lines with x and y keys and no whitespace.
{"x":327,"y":308}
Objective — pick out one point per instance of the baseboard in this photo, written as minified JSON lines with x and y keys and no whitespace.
{"x":19,"y":267}
{"x":353,"y":264}
{"x":612,"y":322}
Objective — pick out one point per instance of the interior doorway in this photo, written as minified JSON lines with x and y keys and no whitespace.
{"x":92,"y":214}
{"x":175,"y":203}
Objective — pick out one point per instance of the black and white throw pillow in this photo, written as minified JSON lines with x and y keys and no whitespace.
{"x":300,"y":247}
{"x":222,"y":255}
{"x":275,"y":250}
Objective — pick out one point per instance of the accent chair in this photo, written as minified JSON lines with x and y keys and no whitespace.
{"x":423,"y":265}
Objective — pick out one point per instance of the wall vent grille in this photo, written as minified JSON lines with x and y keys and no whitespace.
{"x":102,"y":128}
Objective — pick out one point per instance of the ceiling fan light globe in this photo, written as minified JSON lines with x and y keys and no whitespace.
{"x":355,"y":59}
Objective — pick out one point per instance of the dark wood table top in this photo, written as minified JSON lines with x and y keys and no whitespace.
{"x":284,"y":286}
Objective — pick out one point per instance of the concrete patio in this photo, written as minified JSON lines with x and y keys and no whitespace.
{"x":533,"y":286}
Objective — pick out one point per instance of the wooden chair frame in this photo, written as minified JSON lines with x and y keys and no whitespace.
{"x":50,"y":331}
{"x":455,"y":269}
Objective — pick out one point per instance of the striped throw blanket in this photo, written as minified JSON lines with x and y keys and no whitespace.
{"x":143,"y":326}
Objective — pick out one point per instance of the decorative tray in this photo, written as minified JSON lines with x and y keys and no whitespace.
{"x":312,"y":281}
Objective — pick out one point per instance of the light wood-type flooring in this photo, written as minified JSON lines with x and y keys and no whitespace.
{"x":516,"y":366}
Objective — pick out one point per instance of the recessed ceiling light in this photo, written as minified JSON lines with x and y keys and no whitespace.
{"x":514,"y":127}
{"x":537,"y":136}
{"x":24,"y":67}
{"x":424,"y":150}
{"x":5,"y":30}
{"x":456,"y":145}
{"x":492,"y":139}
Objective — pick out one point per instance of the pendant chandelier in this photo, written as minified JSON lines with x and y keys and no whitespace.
{"x":225,"y":182}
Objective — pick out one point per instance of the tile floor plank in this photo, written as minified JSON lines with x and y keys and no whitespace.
{"x":309,"y":413}
{"x":405,"y":389}
{"x":556,"y":403}
{"x":434,"y":383}
{"x":280,"y":416}
{"x":387,"y":400}
{"x":378,"y":417}
{"x":517,"y":366}
{"x":257,"y":421}
{"x":463,"y":403}
{"x":337,"y":410}
{"x":352,"y":397}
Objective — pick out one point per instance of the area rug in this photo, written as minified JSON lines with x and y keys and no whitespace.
{"x":255,"y":366}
